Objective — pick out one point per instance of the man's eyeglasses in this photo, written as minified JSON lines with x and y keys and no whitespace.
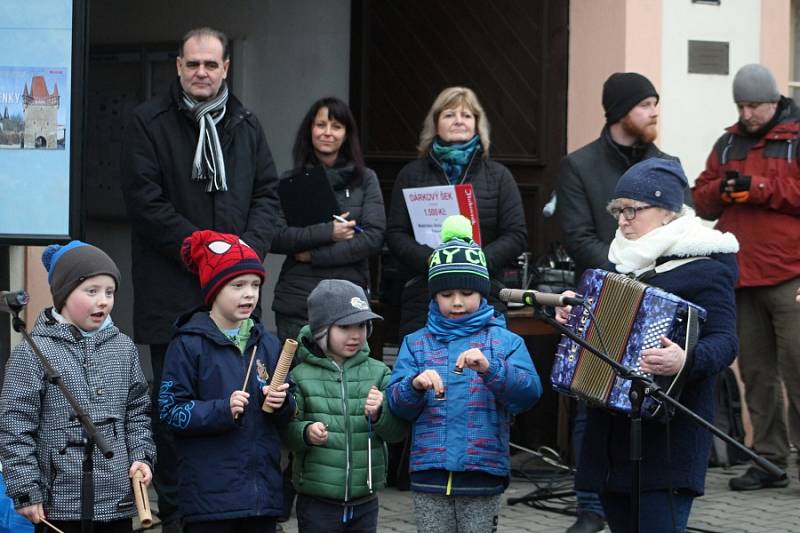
{"x":628,"y":212}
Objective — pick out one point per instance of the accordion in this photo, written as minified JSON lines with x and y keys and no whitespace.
{"x":621,"y":317}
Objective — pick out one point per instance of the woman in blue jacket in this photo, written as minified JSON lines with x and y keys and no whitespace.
{"x":660,"y":241}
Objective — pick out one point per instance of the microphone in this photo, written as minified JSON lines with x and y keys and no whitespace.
{"x":529,"y":297}
{"x":13,"y":301}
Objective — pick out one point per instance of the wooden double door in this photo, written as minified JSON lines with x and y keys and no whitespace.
{"x":512,"y":53}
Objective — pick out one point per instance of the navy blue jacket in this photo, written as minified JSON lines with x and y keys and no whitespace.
{"x":226,"y":468}
{"x":681,"y":462}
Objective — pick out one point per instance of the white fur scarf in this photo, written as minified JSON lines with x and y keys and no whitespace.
{"x":686,"y":236}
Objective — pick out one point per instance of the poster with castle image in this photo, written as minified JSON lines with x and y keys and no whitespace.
{"x":37,"y":97}
{"x":34,"y":102}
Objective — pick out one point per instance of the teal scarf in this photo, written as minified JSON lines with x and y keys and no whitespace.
{"x":449,"y":329}
{"x":454,"y":157}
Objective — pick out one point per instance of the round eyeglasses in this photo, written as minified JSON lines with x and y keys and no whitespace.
{"x":629,"y":213}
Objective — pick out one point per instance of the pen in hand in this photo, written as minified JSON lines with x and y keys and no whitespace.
{"x":356,"y":228}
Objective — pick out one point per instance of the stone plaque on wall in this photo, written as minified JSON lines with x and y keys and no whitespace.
{"x":708,"y":57}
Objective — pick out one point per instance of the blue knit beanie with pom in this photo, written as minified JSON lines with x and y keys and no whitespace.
{"x":71,"y":264}
{"x":458,"y":263}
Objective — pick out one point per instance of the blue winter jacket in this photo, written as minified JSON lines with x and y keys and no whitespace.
{"x":674,"y":455}
{"x":226,"y":468}
{"x":469,"y":430}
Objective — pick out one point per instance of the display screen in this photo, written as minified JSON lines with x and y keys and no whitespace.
{"x":41,"y":52}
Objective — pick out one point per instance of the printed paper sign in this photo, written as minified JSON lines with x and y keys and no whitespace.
{"x":429,"y":206}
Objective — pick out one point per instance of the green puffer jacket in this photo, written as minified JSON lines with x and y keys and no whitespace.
{"x":325,"y":393}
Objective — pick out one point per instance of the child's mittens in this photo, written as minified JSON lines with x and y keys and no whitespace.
{"x":473,"y":359}
{"x":316,"y":434}
{"x":372,"y":407}
{"x":239,"y":400}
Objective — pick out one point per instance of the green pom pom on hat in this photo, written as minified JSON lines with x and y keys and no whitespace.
{"x":456,"y":227}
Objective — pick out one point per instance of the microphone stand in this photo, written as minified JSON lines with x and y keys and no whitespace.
{"x":642,"y":387}
{"x":90,"y":438}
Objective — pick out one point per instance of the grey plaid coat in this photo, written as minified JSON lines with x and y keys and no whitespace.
{"x":104,"y":375}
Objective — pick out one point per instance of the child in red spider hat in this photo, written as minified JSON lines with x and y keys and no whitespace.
{"x":228,"y":448}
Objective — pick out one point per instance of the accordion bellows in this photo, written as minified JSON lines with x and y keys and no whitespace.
{"x":621,"y":316}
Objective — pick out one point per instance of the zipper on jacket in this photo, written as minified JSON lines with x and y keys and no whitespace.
{"x":346,"y":433}
{"x":449,"y":489}
{"x":724,"y":158}
{"x":789,"y":150}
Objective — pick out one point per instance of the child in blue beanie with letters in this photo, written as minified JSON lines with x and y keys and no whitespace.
{"x":460,"y":380}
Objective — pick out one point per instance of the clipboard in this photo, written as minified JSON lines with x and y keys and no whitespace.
{"x":307,"y":198}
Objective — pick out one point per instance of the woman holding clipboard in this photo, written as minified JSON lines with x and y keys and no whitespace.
{"x":454,"y":149}
{"x":349,"y":223}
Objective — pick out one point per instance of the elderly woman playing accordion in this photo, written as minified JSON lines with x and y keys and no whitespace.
{"x":661,"y":242}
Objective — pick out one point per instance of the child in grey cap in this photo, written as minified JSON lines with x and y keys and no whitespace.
{"x":341,"y":425}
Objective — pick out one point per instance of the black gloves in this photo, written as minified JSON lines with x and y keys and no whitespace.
{"x":734,"y":187}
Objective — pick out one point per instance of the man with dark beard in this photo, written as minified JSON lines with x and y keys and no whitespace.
{"x":587,"y":177}
{"x":586,"y":182}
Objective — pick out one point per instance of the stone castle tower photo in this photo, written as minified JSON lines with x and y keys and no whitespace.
{"x":40,"y":110}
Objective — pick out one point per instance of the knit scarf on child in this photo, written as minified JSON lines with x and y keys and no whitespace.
{"x":449,"y":329}
{"x":454,"y":157}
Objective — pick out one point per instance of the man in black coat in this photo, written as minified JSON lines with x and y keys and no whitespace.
{"x":193,"y":158}
{"x":587,"y":177}
{"x":586,"y":182}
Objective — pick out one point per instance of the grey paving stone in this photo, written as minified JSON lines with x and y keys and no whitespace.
{"x":720,"y":510}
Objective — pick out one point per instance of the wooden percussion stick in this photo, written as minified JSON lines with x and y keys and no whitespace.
{"x":249,"y":367}
{"x":51,"y":526}
{"x":142,"y":499}
{"x":281,"y":369}
{"x":247,"y":375}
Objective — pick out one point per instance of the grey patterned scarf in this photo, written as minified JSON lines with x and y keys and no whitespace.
{"x":208,"y":163}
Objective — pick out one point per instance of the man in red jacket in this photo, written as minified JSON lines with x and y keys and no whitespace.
{"x":752,"y":185}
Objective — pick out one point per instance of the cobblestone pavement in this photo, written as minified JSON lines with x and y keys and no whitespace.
{"x":719,"y":511}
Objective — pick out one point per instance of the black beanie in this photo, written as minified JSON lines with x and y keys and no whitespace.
{"x":624,"y":90}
